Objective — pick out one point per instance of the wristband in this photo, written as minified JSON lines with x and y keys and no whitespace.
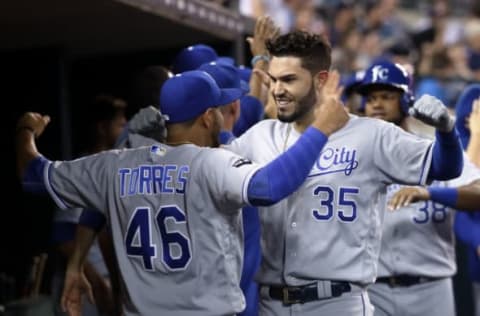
{"x":257,"y":58}
{"x":445,"y":196}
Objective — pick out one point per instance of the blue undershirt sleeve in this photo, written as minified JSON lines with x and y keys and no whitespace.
{"x":33,"y":179}
{"x":286,"y":173}
{"x":447,"y":156}
{"x":93,"y":219}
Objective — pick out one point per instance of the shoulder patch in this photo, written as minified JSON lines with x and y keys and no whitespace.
{"x":240,"y":162}
{"x":158,"y":150}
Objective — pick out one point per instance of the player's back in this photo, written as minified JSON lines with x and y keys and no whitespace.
{"x":190,"y":252}
{"x":175,"y":218}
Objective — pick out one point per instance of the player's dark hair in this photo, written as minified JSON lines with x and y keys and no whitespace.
{"x":313,"y":50}
{"x":146,"y":88}
{"x":103,"y":108}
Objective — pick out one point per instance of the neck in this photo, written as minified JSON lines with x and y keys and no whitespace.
{"x":177,"y":137}
{"x":98,"y":148}
{"x":301,"y":124}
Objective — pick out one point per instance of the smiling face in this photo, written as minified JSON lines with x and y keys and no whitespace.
{"x":292,"y":88}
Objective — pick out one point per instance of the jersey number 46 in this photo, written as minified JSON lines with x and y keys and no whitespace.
{"x":176,"y":249}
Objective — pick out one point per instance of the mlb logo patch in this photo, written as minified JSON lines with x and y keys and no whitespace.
{"x":158,"y":150}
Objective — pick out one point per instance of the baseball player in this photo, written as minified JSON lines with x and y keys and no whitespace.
{"x":417,"y":256}
{"x":227,"y":76}
{"x":103,"y":125}
{"x":174,"y":209}
{"x":320,"y":246}
{"x":467,"y":225}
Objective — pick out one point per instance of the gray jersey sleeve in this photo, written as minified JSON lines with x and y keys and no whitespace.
{"x":82,"y":182}
{"x":227,"y":176}
{"x":401,"y":152}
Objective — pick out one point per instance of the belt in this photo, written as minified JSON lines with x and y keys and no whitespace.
{"x":405,"y":280}
{"x":302,"y":294}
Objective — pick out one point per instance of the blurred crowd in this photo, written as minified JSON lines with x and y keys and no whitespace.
{"x":439,"y":41}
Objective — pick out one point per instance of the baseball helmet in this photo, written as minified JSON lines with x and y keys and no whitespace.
{"x":388,"y":75}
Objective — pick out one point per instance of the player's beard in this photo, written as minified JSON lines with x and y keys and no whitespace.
{"x":304,"y":106}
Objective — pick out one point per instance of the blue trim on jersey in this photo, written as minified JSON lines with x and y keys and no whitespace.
{"x":63,"y":231}
{"x":33,"y":178}
{"x":286,"y":173}
{"x":226,"y":137}
{"x":445,"y":196}
{"x":447,"y":156}
{"x":93,"y":219}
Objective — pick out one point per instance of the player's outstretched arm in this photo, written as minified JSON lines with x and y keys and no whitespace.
{"x":465,"y":197}
{"x":29,"y":126}
{"x":447,"y":156}
{"x":76,"y":283}
{"x":287,"y":172}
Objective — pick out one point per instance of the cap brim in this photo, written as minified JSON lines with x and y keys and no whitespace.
{"x":229,"y":95}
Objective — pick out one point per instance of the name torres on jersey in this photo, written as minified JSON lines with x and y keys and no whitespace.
{"x":153,"y":179}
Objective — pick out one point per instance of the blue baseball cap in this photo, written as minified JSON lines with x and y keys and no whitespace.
{"x":189,"y":94}
{"x":226,"y":76}
{"x":245,"y":72}
{"x":191,"y":57}
{"x":251,"y":112}
{"x":226,"y":60}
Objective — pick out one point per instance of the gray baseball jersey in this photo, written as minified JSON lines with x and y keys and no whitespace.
{"x":330,"y":228}
{"x":175,"y":218}
{"x":418,"y":239}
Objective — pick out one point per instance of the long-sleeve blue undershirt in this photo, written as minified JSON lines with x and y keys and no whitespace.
{"x":447,"y":156}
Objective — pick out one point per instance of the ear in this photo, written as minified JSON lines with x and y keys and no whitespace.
{"x":207,"y":118}
{"x":320,"y":78}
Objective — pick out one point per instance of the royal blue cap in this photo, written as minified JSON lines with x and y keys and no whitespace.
{"x":189,"y":94}
{"x":226,"y":76}
{"x":245,"y":72}
{"x":251,"y":112}
{"x":226,"y":60}
{"x":191,"y":57}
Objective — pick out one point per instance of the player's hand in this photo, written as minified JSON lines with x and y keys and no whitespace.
{"x":330,"y":114}
{"x":473,"y":121}
{"x":34,"y":121}
{"x":264,"y":29}
{"x":148,"y":122}
{"x":432,"y":111}
{"x":76,"y":284}
{"x":408,"y":195}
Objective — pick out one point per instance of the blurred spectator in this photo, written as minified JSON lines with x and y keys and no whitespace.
{"x":438,"y":28}
{"x":472,"y":37}
{"x":278,"y":10}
